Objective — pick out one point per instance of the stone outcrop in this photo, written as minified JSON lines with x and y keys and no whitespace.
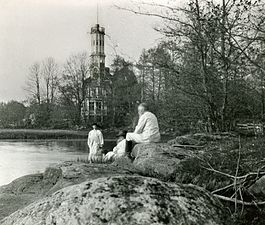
{"x":28,"y":189}
{"x":153,"y":160}
{"x":158,"y":160}
{"x":111,"y":193}
{"x":120,"y":200}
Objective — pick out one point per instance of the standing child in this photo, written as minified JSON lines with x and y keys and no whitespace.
{"x":95,"y":142}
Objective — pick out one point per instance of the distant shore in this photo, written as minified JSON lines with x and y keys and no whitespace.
{"x":41,"y":134}
{"x":35,"y":134}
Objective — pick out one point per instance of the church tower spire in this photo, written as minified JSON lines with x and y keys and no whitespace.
{"x":97,"y":13}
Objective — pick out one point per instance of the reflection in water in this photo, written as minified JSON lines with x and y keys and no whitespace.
{"x":19,"y":158}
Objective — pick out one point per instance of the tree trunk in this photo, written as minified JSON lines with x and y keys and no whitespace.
{"x":153,"y":83}
{"x":47,"y":92}
{"x":38,"y":89}
{"x":225,"y":69}
{"x":143,"y":85}
{"x":159,"y":85}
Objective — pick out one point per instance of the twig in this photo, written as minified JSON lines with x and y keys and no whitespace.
{"x":223,"y":188}
{"x":241,"y":197}
{"x":219,"y":172}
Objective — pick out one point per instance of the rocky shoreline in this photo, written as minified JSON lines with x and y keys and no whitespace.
{"x":153,"y":189}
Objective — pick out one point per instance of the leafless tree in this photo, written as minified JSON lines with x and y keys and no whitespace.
{"x":33,"y":83}
{"x":50,"y":77}
{"x":73,"y":81}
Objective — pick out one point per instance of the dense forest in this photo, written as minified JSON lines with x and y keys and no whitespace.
{"x":207,"y":73}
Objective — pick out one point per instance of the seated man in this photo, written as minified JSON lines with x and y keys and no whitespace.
{"x":119,"y":150}
{"x":147,"y":130}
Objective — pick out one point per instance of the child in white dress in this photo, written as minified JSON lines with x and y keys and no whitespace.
{"x":95,"y":142}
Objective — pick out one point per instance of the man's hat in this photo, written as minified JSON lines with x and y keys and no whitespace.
{"x":97,"y":125}
{"x":121,"y":133}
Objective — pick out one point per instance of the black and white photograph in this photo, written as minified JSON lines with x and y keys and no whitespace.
{"x":132,"y":112}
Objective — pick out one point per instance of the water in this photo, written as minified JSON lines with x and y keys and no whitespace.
{"x":19,"y":158}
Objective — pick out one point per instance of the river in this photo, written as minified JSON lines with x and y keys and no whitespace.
{"x":19,"y":158}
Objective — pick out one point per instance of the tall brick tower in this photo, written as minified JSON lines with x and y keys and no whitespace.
{"x":97,"y":51}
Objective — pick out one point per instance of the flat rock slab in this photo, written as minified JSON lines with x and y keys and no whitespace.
{"x":120,"y":200}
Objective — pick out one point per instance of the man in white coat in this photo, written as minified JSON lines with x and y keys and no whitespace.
{"x":147,"y":129}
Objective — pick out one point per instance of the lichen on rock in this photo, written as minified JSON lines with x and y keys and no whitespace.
{"x":120,"y":200}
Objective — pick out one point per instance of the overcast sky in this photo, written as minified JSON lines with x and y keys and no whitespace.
{"x":32,"y":30}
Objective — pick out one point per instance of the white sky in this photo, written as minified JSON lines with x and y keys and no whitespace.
{"x":31,"y":30}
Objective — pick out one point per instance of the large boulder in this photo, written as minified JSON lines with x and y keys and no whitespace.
{"x":119,"y":200}
{"x":158,"y":160}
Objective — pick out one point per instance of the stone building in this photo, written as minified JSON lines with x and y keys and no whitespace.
{"x":98,"y":93}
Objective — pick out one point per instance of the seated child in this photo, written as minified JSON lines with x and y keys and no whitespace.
{"x":119,"y":150}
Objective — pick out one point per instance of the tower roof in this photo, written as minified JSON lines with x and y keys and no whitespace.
{"x":98,"y":29}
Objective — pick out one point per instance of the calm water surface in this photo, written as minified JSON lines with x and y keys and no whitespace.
{"x":19,"y":158}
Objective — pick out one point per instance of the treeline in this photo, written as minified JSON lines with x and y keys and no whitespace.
{"x":207,"y":74}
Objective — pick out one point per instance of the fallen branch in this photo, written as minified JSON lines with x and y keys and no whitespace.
{"x":252,"y":174}
{"x":187,"y":146}
{"x":239,"y":201}
{"x":233,"y":177}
